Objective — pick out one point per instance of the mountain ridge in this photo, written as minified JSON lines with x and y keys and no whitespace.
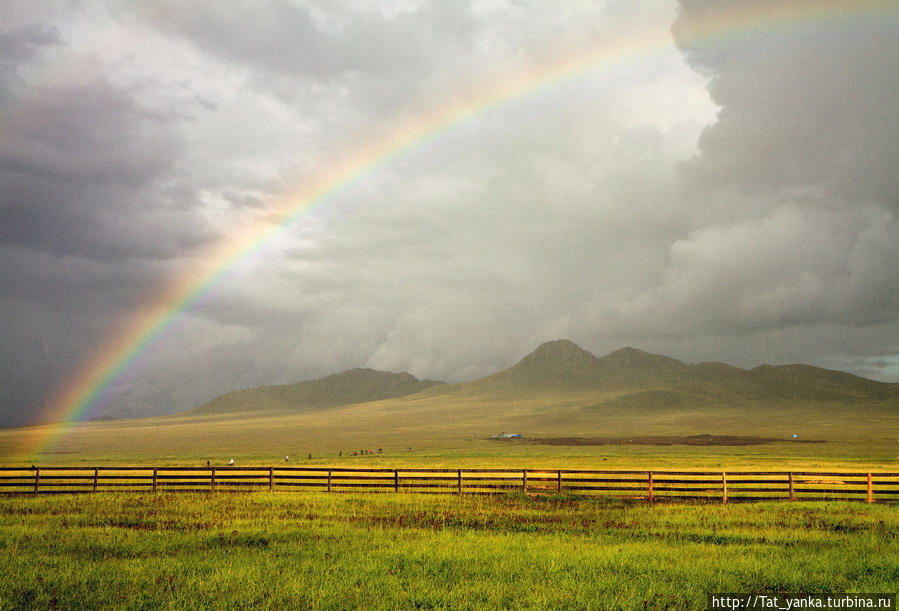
{"x":359,"y":385}
{"x":563,"y":366}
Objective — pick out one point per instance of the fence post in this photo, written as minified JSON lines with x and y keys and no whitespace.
{"x":460,"y":481}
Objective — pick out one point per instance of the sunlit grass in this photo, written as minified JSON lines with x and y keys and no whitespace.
{"x":455,"y":432}
{"x":401,"y":551}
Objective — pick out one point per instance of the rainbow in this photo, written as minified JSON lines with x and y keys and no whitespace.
{"x":110,"y":362}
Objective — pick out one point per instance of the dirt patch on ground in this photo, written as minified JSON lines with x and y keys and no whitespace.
{"x":665,"y":440}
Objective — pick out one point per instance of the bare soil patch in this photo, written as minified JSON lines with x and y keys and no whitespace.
{"x":666,"y":440}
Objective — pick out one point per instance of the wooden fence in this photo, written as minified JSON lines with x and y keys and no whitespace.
{"x":647,"y":485}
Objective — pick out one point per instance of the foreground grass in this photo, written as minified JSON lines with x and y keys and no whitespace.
{"x":287,"y":550}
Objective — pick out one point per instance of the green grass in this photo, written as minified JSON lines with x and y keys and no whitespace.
{"x":287,"y":550}
{"x":316,"y":550}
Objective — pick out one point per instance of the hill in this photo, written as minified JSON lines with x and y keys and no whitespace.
{"x":625,"y":379}
{"x":559,"y":391}
{"x":347,"y":388}
{"x":562,"y":365}
{"x":559,"y":365}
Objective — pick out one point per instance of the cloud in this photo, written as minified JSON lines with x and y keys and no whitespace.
{"x":348,"y":59}
{"x":20,"y":44}
{"x":804,"y":109}
{"x":320,"y":42}
{"x":791,"y":208}
{"x":796,"y":266}
{"x":91,"y":209}
{"x":734,"y":199}
{"x":86,"y":172}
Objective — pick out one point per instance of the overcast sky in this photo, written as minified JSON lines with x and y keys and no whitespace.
{"x":730,"y":198}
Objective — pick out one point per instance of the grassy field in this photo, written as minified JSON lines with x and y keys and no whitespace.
{"x":340,"y":551}
{"x":455,"y":431}
{"x":290,"y":550}
{"x":315,"y":550}
{"x":559,"y":390}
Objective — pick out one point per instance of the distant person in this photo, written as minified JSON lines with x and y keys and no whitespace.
{"x":340,"y":452}
{"x":287,"y":459}
{"x":231,"y":463}
{"x":310,"y":457}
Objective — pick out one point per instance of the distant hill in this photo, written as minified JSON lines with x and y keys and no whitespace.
{"x":559,"y":364}
{"x":353,"y":386}
{"x":636,"y":364}
{"x":627,"y":379}
{"x":559,"y":394}
{"x":562,"y":365}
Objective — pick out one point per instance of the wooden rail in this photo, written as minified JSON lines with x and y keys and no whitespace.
{"x":653,"y":486}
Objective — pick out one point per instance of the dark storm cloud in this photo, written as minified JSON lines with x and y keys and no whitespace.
{"x":810,"y":107}
{"x":581,"y":209}
{"x":84,"y":206}
{"x":791,"y":199}
{"x":22,"y":43}
{"x":84,"y":173}
{"x":91,"y":197}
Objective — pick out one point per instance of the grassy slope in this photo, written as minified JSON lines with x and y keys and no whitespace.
{"x":456,"y":427}
{"x":353,"y":386}
{"x":559,"y":390}
{"x":400,"y":551}
{"x":288,"y":550}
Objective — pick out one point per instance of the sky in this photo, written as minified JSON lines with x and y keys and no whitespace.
{"x":730,"y":198}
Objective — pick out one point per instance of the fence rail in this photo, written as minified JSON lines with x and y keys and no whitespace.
{"x":719,"y":486}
